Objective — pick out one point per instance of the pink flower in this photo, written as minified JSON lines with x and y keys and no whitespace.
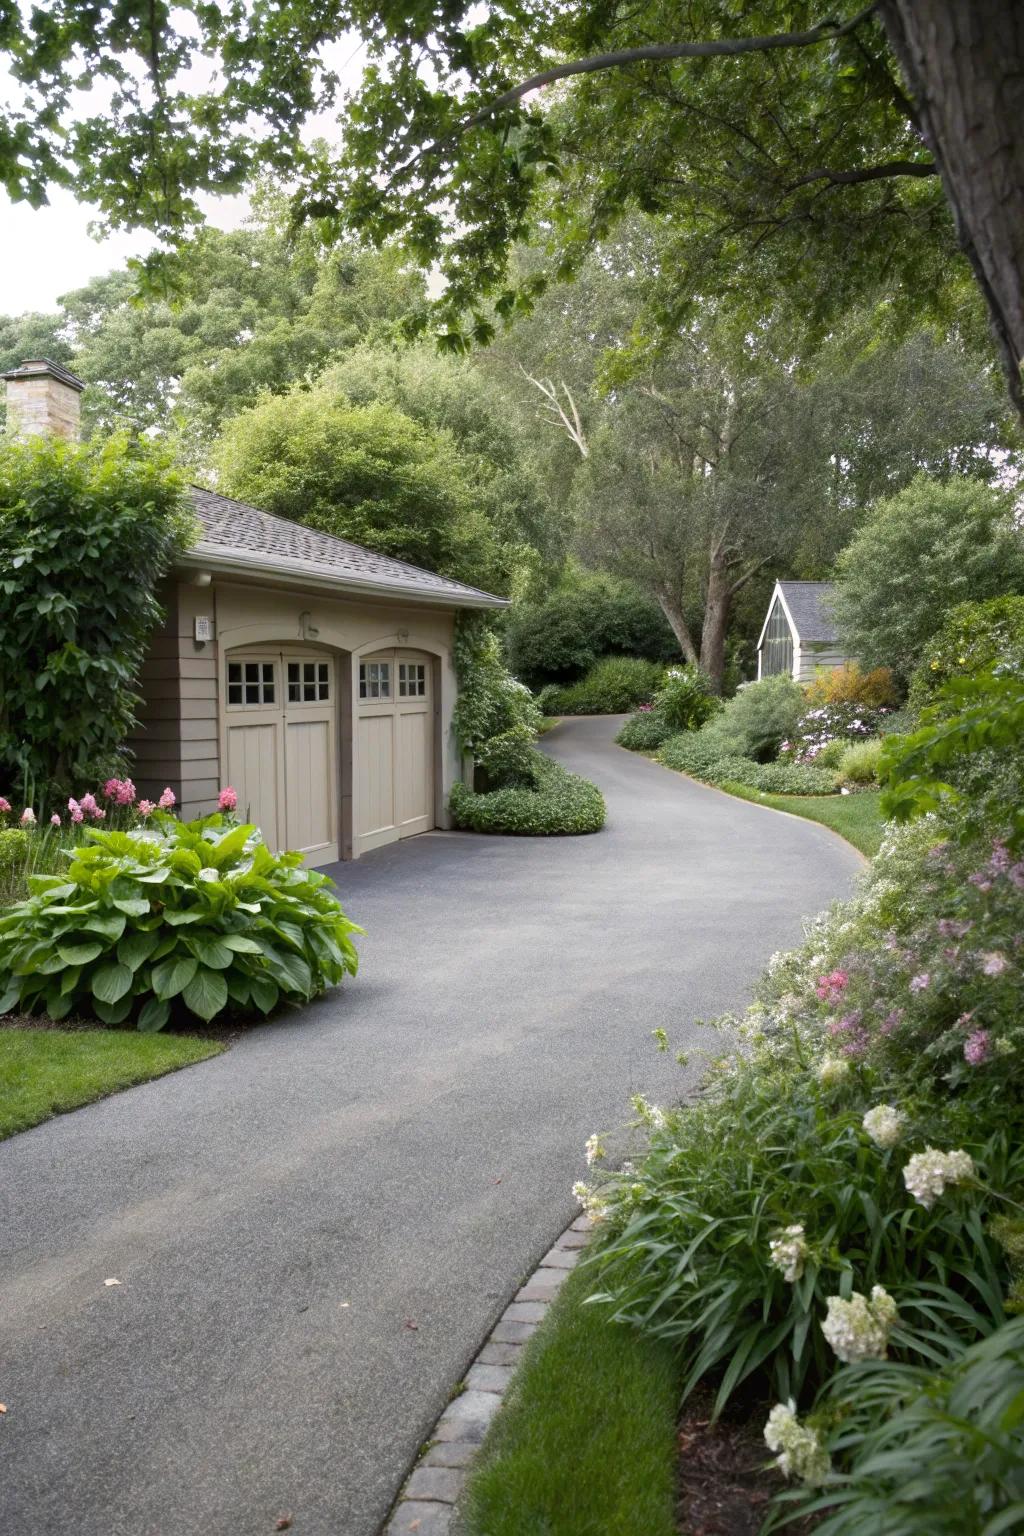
{"x":5,"y":806}
{"x":228,"y":799}
{"x":951,"y":928}
{"x":28,"y":817}
{"x":77,"y":814}
{"x":121,"y":791}
{"x":167,"y":799}
{"x":994,"y":964}
{"x":1016,"y":874}
{"x":977,"y":1047}
{"x":55,"y":820}
{"x":980,"y":881}
{"x":920,"y":983}
{"x":830,"y":988}
{"x":146,"y":807}
{"x":88,"y":805}
{"x":111,"y":788}
{"x":892,"y":1021}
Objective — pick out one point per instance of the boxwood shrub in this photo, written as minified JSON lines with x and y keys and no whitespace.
{"x":697,"y":754}
{"x":645,"y":731}
{"x":194,"y":917}
{"x":557,"y":802}
{"x":612,"y":686}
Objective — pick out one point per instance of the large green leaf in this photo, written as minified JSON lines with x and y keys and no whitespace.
{"x":136,"y":947}
{"x":178,"y":918}
{"x":114,"y":1013}
{"x":209,"y":950}
{"x":240,"y":943}
{"x":171,"y":976}
{"x":264,"y":993}
{"x":132,"y":906}
{"x":110,"y":982}
{"x":292,"y":972}
{"x":206,"y":994}
{"x":109,"y":925}
{"x":11,"y":996}
{"x":154,"y":1015}
{"x":81,"y":953}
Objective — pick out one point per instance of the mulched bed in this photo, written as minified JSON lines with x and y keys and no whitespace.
{"x":726,"y":1481}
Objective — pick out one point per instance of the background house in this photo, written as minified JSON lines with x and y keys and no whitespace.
{"x":799,"y":634}
{"x":311,"y":674}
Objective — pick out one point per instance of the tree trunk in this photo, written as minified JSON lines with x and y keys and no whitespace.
{"x":963,"y":61}
{"x":672,"y":608}
{"x":717,"y":611}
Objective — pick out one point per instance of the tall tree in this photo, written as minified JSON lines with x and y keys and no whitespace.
{"x":794,"y":153}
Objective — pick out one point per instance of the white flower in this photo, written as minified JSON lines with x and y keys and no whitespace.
{"x":595,"y":1149}
{"x":801,"y":1453}
{"x":649,"y":1113}
{"x":581,"y":1192}
{"x":928,"y":1172}
{"x":28,"y":817}
{"x":858,"y":1329}
{"x":590,"y":1201}
{"x":884,"y":1125}
{"x":788,"y":1252}
{"x":832,"y":1071}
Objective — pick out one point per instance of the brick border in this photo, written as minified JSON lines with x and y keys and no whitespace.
{"x":425,"y":1506}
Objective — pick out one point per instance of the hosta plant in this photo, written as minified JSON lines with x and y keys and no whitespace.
{"x":197,"y":917}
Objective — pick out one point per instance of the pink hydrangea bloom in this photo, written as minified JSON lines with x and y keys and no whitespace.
{"x":88,"y":805}
{"x":146,"y":807}
{"x":167,"y":800}
{"x":228,"y":799}
{"x":121,"y":791}
{"x":977,"y":1047}
{"x":993,"y":963}
{"x":5,"y":806}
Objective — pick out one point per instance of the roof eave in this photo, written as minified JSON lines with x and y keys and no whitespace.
{"x":238,"y":563}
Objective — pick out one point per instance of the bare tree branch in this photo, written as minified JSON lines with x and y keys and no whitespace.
{"x":557,"y":416}
{"x":884,"y":172}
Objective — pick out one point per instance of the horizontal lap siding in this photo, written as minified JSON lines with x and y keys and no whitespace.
{"x":176,"y":742}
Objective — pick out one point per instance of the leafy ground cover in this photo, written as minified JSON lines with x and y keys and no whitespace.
{"x":858,"y":818}
{"x":585,"y":1443}
{"x":44,"y":1072}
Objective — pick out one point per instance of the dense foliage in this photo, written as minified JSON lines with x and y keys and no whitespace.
{"x":972,"y":636}
{"x":199,"y":917}
{"x":916,"y":556}
{"x":757,"y":720}
{"x":700,"y":756}
{"x":684,"y":702}
{"x":645,"y":731}
{"x":551,"y":801}
{"x":491,"y":701}
{"x":86,"y":533}
{"x":836,"y":1219}
{"x":560,"y":637}
{"x":611,"y":687}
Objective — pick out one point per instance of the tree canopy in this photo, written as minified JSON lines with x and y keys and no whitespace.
{"x":794,"y":156}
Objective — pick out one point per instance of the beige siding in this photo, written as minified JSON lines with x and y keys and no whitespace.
{"x":156,"y":741}
{"x":812,"y":657}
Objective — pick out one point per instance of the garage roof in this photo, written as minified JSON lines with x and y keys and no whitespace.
{"x":239,"y":539}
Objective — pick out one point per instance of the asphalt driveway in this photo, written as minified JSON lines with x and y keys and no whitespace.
{"x":313,"y":1233}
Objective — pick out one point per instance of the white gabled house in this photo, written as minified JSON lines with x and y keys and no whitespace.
{"x":799,"y":633}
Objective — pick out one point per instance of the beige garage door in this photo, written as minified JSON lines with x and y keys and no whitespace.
{"x":393,"y":749}
{"x":280,"y":734}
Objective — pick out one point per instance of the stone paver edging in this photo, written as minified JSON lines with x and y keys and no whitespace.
{"x":426,"y":1504}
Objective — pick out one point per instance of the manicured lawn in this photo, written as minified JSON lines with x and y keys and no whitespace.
{"x":585,"y":1443}
{"x":46,"y":1071}
{"x":855,"y":817}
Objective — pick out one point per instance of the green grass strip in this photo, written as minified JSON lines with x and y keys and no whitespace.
{"x":855,"y":817}
{"x":46,"y":1071}
{"x":585,"y":1442}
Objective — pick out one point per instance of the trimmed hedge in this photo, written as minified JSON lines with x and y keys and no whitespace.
{"x":611,"y":687}
{"x":693,"y":753}
{"x":558,"y":803}
{"x":644,"y":732}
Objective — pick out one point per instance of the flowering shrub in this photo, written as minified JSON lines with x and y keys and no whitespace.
{"x":193,"y":917}
{"x":818,"y":728}
{"x":685,"y":700}
{"x":844,"y":1197}
{"x":696,"y":753}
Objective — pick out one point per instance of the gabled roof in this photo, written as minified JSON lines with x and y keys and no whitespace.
{"x":806,"y":607}
{"x":237,"y":538}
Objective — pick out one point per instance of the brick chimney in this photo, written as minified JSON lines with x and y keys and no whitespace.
{"x":42,"y":397}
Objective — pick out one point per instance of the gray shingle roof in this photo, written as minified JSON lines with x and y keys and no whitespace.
{"x":809,"y":610}
{"x":233,"y":531}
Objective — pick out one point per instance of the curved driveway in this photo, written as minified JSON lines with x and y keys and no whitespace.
{"x":314,"y":1232}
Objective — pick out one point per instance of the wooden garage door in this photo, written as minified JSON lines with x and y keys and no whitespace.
{"x":393,"y":749}
{"x":280,"y":734}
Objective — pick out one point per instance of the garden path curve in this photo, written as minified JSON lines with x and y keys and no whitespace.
{"x":313,"y":1232}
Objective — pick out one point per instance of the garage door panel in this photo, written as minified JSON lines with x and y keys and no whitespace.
{"x":374,"y":775}
{"x":309,"y":775}
{"x":414,"y":770}
{"x":253,"y":769}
